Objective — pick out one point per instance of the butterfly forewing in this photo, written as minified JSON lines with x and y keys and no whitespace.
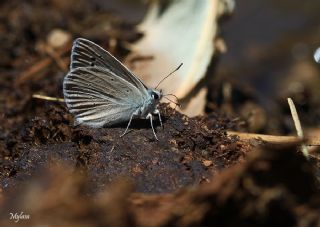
{"x":98,"y":97}
{"x":88,"y":54}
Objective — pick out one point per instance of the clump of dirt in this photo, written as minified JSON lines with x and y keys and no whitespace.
{"x":189,"y":151}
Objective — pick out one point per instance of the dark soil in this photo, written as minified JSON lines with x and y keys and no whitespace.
{"x":189,"y":151}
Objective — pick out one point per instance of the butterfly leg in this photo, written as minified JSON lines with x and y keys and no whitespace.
{"x":128,"y":125}
{"x":149,"y":116}
{"x":158,"y":112}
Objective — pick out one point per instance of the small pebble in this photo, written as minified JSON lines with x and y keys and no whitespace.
{"x":207,"y":163}
{"x":58,"y":38}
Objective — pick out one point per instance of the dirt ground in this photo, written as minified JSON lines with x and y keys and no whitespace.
{"x":65,"y":175}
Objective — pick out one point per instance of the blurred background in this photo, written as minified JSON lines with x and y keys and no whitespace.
{"x":270,"y":52}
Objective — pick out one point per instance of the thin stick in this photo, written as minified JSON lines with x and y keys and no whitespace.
{"x":34,"y":70}
{"x":48,"y":98}
{"x":298,"y":127}
{"x":273,"y":139}
{"x":39,"y":67}
{"x":57,"y":58}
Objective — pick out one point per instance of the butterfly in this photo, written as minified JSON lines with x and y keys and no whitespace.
{"x":100,"y":91}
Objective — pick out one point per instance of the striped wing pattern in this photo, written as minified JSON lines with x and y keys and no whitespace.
{"x":88,"y":54}
{"x":98,"y":96}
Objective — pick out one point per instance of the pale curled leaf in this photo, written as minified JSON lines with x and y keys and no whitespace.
{"x":184,"y":32}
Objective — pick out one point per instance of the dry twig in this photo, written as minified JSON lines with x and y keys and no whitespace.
{"x":38,"y":68}
{"x":298,"y":127}
{"x":47,"y":98}
{"x":57,"y":58}
{"x":274,"y":139}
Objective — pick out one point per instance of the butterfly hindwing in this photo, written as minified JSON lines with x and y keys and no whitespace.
{"x":98,"y":97}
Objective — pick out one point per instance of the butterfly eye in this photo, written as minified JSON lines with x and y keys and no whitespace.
{"x":155,"y":95}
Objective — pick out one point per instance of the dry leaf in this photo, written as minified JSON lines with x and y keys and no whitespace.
{"x":184,"y":32}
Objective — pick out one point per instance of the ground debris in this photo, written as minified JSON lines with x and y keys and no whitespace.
{"x":173,"y":162}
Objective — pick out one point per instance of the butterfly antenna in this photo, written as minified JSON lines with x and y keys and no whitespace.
{"x":172,"y":96}
{"x":169,"y":75}
{"x":176,"y":103}
{"x":177,"y":99}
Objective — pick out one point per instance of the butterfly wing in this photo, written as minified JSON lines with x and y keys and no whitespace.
{"x":88,"y":54}
{"x":97,"y":96}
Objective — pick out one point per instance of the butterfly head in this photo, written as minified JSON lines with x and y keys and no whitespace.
{"x":155,"y":95}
